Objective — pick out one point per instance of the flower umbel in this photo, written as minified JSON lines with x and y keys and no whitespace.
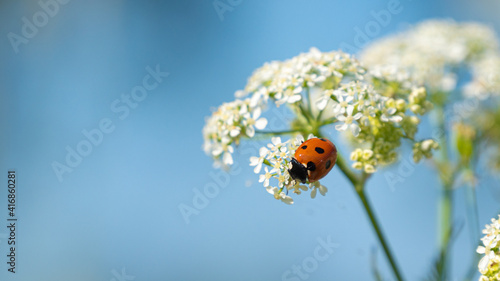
{"x":227,"y":125}
{"x":376,"y":107}
{"x":434,"y":50}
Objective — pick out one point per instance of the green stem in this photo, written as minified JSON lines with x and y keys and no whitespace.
{"x":473,"y":228}
{"x":473,"y":213}
{"x":473,"y":219}
{"x":309,"y":105}
{"x":358,"y":181}
{"x":305,"y":113}
{"x":445,"y":211}
{"x":378,"y":231}
{"x":445,"y":204}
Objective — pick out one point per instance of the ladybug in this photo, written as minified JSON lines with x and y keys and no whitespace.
{"x":313,"y":160}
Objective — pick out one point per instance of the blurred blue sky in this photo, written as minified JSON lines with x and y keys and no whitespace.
{"x":119,"y":208}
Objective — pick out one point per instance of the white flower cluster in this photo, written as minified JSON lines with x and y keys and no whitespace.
{"x":284,"y":82}
{"x":227,"y":125}
{"x":277,"y":156}
{"x":434,"y":51}
{"x":489,"y":265}
{"x":378,"y":115}
{"x":378,"y":107}
{"x":485,"y":78}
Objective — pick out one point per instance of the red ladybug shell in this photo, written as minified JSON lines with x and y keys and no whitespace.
{"x":318,"y":156}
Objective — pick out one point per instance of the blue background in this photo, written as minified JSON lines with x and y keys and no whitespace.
{"x":119,"y":208}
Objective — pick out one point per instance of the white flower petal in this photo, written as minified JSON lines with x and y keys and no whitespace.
{"x":323,"y":190}
{"x":266,"y":182}
{"x":341,"y":118}
{"x":480,"y":250}
{"x":235,"y":132}
{"x":349,"y":110}
{"x":357,"y":116}
{"x":483,"y":264}
{"x":227,"y":159}
{"x":271,"y":189}
{"x":240,"y":94}
{"x":254,"y":100}
{"x":396,"y":118}
{"x":256,"y":113}
{"x":217,"y":150}
{"x":261,"y":123}
{"x":341,"y":127}
{"x":297,"y":90}
{"x":250,"y":132}
{"x":276,"y":141}
{"x":313,"y":193}
{"x":287,"y":200}
{"x":262,"y":178}
{"x":321,"y":103}
{"x":263,"y":151}
{"x":254,"y":160}
{"x":294,"y":98}
{"x":355,"y":129}
{"x":257,"y":168}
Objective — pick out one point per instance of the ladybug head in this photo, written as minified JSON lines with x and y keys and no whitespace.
{"x":298,"y":171}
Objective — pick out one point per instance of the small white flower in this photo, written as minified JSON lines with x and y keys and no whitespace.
{"x":280,"y":195}
{"x":275,"y":144}
{"x":227,"y":159}
{"x":323,"y":100}
{"x":349,"y":121}
{"x":297,"y":188}
{"x":257,"y":161}
{"x":235,"y":132}
{"x":254,"y":120}
{"x":388,"y":115}
{"x":317,"y":186}
{"x":344,"y":101}
{"x":265,"y":178}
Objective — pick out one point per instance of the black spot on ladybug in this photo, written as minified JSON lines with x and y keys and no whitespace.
{"x":311,"y":166}
{"x":328,"y":163}
{"x":323,"y":139}
{"x":319,"y":150}
{"x":304,"y":147}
